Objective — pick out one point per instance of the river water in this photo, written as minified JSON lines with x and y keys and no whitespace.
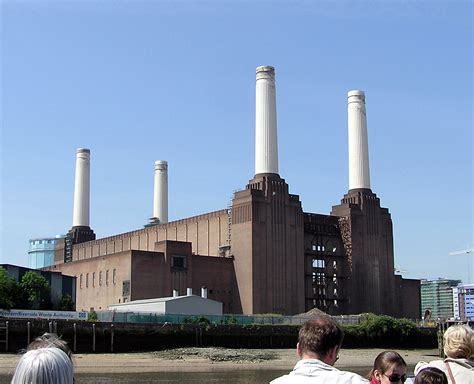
{"x":236,"y":377}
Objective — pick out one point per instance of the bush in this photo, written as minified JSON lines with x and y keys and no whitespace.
{"x":196,"y":320}
{"x":231,"y":320}
{"x":92,"y":315}
{"x":67,"y":304}
{"x":382,"y":332}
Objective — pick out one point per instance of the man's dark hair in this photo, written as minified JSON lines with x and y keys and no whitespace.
{"x":431,"y":375}
{"x":320,"y":335}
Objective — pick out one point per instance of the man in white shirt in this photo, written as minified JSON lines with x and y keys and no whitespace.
{"x":318,"y":346}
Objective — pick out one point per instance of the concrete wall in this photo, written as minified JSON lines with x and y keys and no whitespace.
{"x":205,"y":232}
{"x":193,"y":305}
{"x":149,"y":275}
{"x":96,"y":285}
{"x":217,"y":274}
{"x":140,"y":306}
{"x":408,"y":297}
{"x":101,"y":280}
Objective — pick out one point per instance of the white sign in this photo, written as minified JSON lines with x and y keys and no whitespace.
{"x":38,"y":314}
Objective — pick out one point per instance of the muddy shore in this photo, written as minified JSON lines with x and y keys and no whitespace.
{"x":213,"y":359}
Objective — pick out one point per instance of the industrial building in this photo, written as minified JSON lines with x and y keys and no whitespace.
{"x":175,"y":305}
{"x":264,"y":254}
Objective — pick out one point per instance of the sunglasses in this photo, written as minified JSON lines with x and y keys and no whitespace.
{"x":394,"y":378}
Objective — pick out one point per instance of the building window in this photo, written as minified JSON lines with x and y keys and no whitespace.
{"x":93,"y":279}
{"x":100,"y":278}
{"x":114,"y":276}
{"x":107,"y":277}
{"x":178,"y":262}
{"x":125,"y":288}
{"x":87,"y":280}
{"x":80,"y":281}
{"x":318,"y":263}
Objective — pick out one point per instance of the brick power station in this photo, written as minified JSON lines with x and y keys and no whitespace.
{"x":261,"y":255}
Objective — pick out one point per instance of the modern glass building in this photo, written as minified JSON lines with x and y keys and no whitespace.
{"x":41,"y":252}
{"x":437,"y":296}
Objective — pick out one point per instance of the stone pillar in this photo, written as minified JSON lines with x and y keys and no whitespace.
{"x":160,"y":196}
{"x":80,"y":216}
{"x":266,"y":145}
{"x":359,"y":176}
{"x":80,"y":231}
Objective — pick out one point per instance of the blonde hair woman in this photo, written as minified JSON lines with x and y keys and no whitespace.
{"x":459,"y":349}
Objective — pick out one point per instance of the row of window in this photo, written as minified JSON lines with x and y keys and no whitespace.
{"x":323,"y":303}
{"x":93,"y":278}
{"x":322,"y":248}
{"x":33,"y":242}
{"x":319,"y":278}
{"x":319,"y":263}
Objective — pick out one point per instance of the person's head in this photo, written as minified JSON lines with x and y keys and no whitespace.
{"x":44,"y":366}
{"x":320,"y":338}
{"x":459,"y":342}
{"x":431,"y":375}
{"x":389,"y":368}
{"x":48,"y":340}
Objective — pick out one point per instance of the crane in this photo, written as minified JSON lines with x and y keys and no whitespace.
{"x":464,"y":252}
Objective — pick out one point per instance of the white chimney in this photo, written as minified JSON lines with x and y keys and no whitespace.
{"x":189,"y":291}
{"x":160,"y":196}
{"x":80,"y":216}
{"x":204,"y":292}
{"x":266,"y":143}
{"x":359,"y":176}
{"x":175,"y":293}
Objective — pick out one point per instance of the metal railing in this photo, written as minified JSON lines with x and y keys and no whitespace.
{"x":156,"y":318}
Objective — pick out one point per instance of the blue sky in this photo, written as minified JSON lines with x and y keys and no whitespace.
{"x":175,"y":80}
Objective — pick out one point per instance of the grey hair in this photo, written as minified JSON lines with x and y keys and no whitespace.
{"x":48,"y":340}
{"x":44,"y":366}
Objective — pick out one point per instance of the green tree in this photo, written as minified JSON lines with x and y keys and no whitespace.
{"x":9,"y":290}
{"x":92,"y":315}
{"x":35,"y":290}
{"x":66,"y":303}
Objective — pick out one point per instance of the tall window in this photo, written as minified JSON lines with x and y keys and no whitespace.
{"x":107,"y":277}
{"x":114,"y":276}
{"x":93,"y":279}
{"x":100,"y":278}
{"x":87,"y":280}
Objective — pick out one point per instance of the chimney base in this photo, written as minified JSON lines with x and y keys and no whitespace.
{"x":76,"y":235}
{"x":152,"y":221}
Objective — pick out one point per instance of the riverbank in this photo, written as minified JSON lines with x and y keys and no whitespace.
{"x":214,"y":359}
